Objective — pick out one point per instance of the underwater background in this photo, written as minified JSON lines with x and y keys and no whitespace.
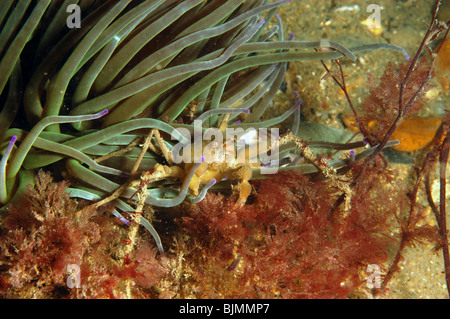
{"x":402,"y":24}
{"x":340,"y":218}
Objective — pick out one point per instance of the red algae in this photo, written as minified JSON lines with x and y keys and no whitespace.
{"x":44,"y":247}
{"x":286,"y":243}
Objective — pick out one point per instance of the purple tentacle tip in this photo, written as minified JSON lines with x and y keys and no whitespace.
{"x":291,"y":35}
{"x":298,"y":104}
{"x":203,"y":158}
{"x":102,"y":113}
{"x":238,"y":122}
{"x":352,"y":156}
{"x":11,"y":144}
{"x":124,"y":220}
{"x":246,"y":112}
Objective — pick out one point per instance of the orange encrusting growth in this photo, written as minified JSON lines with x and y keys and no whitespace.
{"x":414,"y":133}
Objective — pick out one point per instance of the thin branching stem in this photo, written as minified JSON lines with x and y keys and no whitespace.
{"x":443,"y":160}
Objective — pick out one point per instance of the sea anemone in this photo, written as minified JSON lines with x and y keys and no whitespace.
{"x":134,"y":73}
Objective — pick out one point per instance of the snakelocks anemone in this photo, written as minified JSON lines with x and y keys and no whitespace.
{"x":108,"y":89}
